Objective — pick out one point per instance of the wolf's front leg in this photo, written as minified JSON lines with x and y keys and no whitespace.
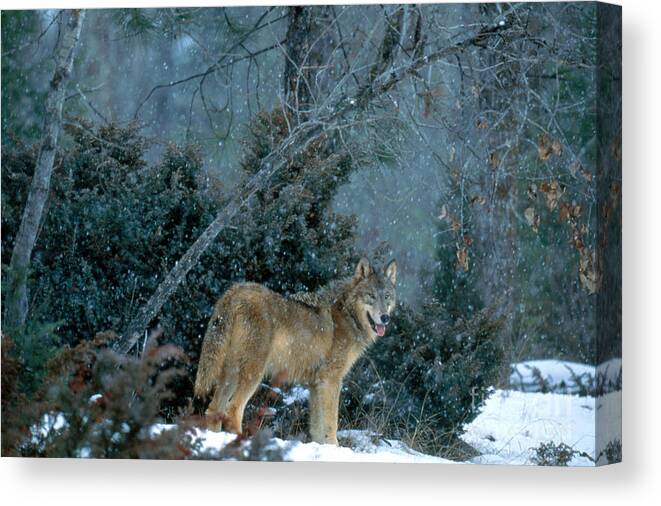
{"x":324,"y":403}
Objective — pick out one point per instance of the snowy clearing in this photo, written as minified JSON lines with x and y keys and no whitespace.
{"x":512,"y":423}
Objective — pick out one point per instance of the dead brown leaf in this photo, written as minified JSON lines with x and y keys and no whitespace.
{"x":553,"y":191}
{"x":587,"y":272}
{"x":462,"y":257}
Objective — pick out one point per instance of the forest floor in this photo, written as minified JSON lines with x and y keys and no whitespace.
{"x":511,"y":425}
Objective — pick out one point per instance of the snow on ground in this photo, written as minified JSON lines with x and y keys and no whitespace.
{"x":364,"y":448}
{"x":507,"y":430}
{"x":49,"y":422}
{"x":512,"y":423}
{"x":296,"y":394}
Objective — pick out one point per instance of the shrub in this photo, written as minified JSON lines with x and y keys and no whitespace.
{"x":612,"y":453}
{"x":96,"y":403}
{"x":552,"y":454}
{"x":427,"y":378}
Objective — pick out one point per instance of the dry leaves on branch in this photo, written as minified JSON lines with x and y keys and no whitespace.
{"x":553,"y":191}
{"x":494,"y":160}
{"x":547,"y":147}
{"x":532,"y":191}
{"x":455,"y":224}
{"x":569,"y":211}
{"x":576,"y":169}
{"x":587,"y":273}
{"x":587,"y":267}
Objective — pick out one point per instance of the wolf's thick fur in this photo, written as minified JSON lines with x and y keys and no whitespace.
{"x":313,"y":337}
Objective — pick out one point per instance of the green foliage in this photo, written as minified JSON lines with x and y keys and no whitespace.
{"x":290,"y":239}
{"x":115,"y":225}
{"x":34,"y":346}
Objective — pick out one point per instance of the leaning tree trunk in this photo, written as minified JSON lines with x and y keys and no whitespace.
{"x":16,"y":301}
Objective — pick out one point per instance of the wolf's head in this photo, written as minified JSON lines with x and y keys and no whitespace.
{"x":374,"y":295}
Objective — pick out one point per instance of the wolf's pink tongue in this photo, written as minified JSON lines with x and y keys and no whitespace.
{"x":380,"y":329}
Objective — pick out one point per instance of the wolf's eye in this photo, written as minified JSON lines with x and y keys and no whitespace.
{"x":388,"y":296}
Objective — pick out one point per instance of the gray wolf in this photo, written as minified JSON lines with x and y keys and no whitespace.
{"x":315,"y":337}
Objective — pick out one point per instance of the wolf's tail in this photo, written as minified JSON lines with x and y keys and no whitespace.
{"x":214,"y":352}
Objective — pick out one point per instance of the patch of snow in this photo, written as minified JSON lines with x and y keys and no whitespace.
{"x":513,"y":423}
{"x":296,"y":394}
{"x":49,"y":422}
{"x":84,"y":452}
{"x":609,"y":419}
{"x":95,"y":398}
{"x":364,"y":447}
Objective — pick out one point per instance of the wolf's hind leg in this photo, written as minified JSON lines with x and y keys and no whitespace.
{"x":245,"y":389}
{"x":217,"y":409}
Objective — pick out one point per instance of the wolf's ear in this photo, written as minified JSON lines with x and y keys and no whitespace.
{"x":391,"y":271}
{"x":363,"y":269}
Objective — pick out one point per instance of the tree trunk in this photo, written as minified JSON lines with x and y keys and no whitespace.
{"x":309,"y":47}
{"x":16,"y":300}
